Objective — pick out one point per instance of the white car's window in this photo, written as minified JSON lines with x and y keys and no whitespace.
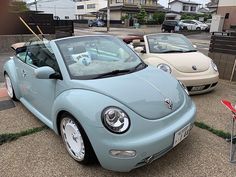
{"x":169,"y":43}
{"x":91,"y":56}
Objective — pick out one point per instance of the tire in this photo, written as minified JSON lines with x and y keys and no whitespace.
{"x":198,"y":28}
{"x":76,"y":141}
{"x":9,"y":87}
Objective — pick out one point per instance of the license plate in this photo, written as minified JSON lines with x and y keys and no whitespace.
{"x":198,"y":88}
{"x":181,"y":134}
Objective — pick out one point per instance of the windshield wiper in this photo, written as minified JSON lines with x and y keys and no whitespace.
{"x":187,"y":51}
{"x":115,"y":72}
{"x":173,"y":51}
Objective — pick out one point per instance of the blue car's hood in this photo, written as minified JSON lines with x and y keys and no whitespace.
{"x":144,"y":92}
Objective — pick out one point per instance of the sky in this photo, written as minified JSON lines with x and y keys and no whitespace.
{"x":165,"y":2}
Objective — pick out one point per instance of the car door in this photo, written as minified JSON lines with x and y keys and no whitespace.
{"x":186,"y":23}
{"x":193,"y":25}
{"x":38,"y":94}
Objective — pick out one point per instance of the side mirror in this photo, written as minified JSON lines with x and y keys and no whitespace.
{"x":44,"y":72}
{"x":139,"y":50}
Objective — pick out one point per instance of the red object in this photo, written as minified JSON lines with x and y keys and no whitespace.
{"x":230,"y":107}
{"x":129,"y":39}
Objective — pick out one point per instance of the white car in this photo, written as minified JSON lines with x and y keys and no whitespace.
{"x":194,"y":25}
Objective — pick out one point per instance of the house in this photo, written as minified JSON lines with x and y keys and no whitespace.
{"x":186,"y":6}
{"x":204,"y":10}
{"x":212,"y":6}
{"x":227,"y":9}
{"x":61,"y":9}
{"x":129,"y":8}
{"x":89,"y":9}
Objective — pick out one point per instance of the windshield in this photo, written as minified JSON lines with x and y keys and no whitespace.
{"x":92,"y":56}
{"x":164,"y":43}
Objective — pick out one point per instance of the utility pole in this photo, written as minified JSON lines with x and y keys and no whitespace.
{"x":168,"y":4}
{"x":108,"y":15}
{"x":36,"y":7}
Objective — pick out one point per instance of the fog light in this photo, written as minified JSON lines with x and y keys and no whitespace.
{"x":122,"y":153}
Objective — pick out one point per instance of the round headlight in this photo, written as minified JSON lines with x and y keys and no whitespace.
{"x":164,"y":67}
{"x":214,"y":66}
{"x":115,"y":120}
{"x":184,"y":87}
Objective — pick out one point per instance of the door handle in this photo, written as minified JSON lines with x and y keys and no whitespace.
{"x":24,"y":73}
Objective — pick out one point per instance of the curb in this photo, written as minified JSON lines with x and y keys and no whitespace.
{"x":3,"y":92}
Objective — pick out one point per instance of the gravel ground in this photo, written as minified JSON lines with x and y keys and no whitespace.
{"x":211,"y":111}
{"x":43,"y":154}
{"x":17,"y":119}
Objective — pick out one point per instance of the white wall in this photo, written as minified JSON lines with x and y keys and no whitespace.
{"x":60,"y":8}
{"x":176,"y":6}
{"x":99,"y":4}
{"x":227,"y":2}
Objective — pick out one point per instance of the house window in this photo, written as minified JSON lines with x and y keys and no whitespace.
{"x":90,"y":6}
{"x":80,"y":7}
{"x":185,"y":8}
{"x":130,"y":1}
{"x":193,"y":8}
{"x":119,"y":1}
{"x":142,"y":1}
{"x":227,"y":16}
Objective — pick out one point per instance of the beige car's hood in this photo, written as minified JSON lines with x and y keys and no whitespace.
{"x":187,"y":62}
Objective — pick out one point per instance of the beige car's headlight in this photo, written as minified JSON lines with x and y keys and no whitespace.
{"x":164,"y":67}
{"x":214,"y":66}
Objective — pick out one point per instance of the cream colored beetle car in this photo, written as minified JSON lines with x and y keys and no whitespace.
{"x":175,"y":54}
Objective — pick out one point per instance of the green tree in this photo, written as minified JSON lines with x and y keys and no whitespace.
{"x":158,"y":17}
{"x":155,"y":16}
{"x":161,"y":17}
{"x":142,"y":16}
{"x":18,"y":6}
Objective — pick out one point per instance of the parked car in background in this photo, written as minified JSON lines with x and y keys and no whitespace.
{"x":175,"y":54}
{"x":103,"y":100}
{"x":96,"y":23}
{"x":208,"y":22}
{"x":172,"y":26}
{"x":194,"y":25}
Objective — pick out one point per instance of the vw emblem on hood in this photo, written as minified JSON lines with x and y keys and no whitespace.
{"x":169,"y":103}
{"x":194,"y":67}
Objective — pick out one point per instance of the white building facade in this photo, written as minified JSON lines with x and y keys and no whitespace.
{"x":61,"y":9}
{"x":88,"y":9}
{"x":186,"y":6}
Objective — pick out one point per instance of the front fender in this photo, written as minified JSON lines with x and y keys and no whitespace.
{"x":154,"y":61}
{"x":10,"y":68}
{"x":85,"y":105}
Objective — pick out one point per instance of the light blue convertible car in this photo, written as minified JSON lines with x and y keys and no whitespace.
{"x":101,"y":98}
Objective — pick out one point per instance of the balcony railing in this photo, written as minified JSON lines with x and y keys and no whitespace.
{"x":141,"y":2}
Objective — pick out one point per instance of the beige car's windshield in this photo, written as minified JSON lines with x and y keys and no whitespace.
{"x":169,"y":43}
{"x":93,"y":57}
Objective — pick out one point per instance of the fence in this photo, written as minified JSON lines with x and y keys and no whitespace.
{"x":223,"y":51}
{"x":11,"y":24}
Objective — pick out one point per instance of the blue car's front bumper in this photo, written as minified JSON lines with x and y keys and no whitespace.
{"x":150,"y":139}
